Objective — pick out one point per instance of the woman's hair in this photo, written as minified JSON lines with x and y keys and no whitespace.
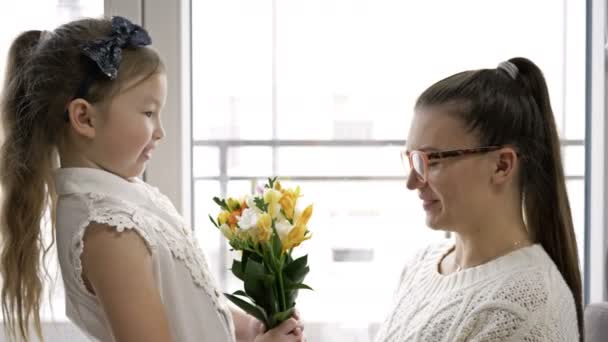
{"x":45,"y":71}
{"x":510,"y":105}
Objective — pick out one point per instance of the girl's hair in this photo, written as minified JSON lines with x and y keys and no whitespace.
{"x":510,"y":105}
{"x":45,"y":71}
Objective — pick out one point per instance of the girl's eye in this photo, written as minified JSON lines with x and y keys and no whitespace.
{"x":149,"y":114}
{"x":433,"y":163}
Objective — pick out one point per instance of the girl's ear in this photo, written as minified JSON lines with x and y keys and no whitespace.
{"x":83,"y":117}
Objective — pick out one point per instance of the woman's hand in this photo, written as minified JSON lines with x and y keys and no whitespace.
{"x":289,"y":331}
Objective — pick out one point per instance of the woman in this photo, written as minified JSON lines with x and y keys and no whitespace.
{"x":484,"y":156}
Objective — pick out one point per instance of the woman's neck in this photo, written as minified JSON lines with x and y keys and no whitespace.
{"x":489,"y":240}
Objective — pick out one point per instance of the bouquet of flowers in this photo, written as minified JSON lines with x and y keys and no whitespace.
{"x":266,"y":227}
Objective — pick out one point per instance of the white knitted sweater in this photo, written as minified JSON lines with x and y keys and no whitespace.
{"x":517,"y":297}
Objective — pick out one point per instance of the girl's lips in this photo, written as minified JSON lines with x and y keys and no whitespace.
{"x":147,"y":153}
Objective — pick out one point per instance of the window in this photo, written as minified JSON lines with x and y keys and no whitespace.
{"x":321,"y":92}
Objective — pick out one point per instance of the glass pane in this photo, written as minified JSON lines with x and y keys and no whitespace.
{"x":208,"y":236}
{"x":250,"y":161}
{"x":46,"y":16}
{"x":574,"y":74}
{"x":206,"y":161}
{"x":231,"y":50}
{"x":574,"y":160}
{"x":340,"y":161}
{"x":339,"y":73}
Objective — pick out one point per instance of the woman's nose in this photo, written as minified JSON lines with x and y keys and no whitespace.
{"x":413,"y":182}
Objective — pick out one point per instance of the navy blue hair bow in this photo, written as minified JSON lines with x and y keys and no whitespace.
{"x":107,"y":52}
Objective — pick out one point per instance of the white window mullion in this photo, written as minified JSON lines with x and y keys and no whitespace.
{"x":131,"y":9}
{"x":168,"y":23}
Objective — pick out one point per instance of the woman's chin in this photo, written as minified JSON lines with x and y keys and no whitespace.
{"x":434,"y":221}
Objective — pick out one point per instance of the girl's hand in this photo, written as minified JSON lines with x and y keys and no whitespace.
{"x":289,"y":331}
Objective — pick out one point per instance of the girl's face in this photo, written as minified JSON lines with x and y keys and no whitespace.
{"x":457,"y":189}
{"x":131,"y":128}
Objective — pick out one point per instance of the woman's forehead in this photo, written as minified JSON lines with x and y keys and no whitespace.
{"x":435,"y":128}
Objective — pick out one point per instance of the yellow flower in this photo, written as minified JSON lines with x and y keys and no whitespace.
{"x":228,"y":231}
{"x":264,"y":227}
{"x":272,"y":197}
{"x":288,"y":201}
{"x":277,"y":185}
{"x":223,"y":217}
{"x":233,"y":204}
{"x":299,"y":233}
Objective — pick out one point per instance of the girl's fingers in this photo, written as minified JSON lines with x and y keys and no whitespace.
{"x":287,"y":326}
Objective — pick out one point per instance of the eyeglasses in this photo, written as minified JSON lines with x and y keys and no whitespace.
{"x":418,"y":161}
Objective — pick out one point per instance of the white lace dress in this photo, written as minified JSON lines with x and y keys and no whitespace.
{"x":518,"y":297}
{"x":195,"y":307}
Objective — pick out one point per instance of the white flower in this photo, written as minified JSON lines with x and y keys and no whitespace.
{"x":283,"y":228}
{"x":249,"y":200}
{"x":248,"y":219}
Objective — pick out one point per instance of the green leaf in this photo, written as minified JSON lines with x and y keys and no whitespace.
{"x":249,"y":308}
{"x":297,"y":269}
{"x":242,"y":294}
{"x":237,"y":269}
{"x":259,"y":202}
{"x":221,"y":203}
{"x":268,"y":256}
{"x":256,"y":281}
{"x":214,"y":223}
{"x":299,"y":286}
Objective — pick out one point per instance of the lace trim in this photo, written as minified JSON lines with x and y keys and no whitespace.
{"x":190,"y":253}
{"x":120,"y":219}
{"x":193,"y":257}
{"x":180,"y":241}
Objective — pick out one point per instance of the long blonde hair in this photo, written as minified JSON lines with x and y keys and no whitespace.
{"x":43,"y":73}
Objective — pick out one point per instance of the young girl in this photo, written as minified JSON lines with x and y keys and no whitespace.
{"x":484,"y":156}
{"x":91,"y":93}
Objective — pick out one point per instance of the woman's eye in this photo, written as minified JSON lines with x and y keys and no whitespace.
{"x":432,"y":164}
{"x":149,"y":114}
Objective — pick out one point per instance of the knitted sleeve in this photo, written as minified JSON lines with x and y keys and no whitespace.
{"x":524,"y":307}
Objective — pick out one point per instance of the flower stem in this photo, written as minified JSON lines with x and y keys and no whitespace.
{"x":282,"y":301}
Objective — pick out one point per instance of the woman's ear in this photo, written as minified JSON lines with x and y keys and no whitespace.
{"x":83,"y":117}
{"x":505,"y":165}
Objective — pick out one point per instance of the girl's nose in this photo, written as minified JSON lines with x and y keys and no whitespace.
{"x":159,"y":132}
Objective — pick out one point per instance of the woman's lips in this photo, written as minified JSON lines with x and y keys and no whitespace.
{"x":427,"y":204}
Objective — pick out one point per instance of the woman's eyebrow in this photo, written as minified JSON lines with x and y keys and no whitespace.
{"x":425,"y":148}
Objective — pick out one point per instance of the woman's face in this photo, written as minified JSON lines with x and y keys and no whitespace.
{"x":457,"y":189}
